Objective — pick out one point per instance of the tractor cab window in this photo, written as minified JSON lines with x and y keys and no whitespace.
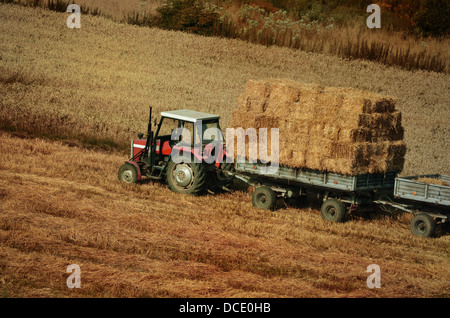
{"x":187,"y":132}
{"x":211,"y":132}
{"x":176,"y":130}
{"x":190,"y":133}
{"x":167,"y":126}
{"x":206,"y":132}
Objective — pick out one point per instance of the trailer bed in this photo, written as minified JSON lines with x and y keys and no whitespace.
{"x":411,"y":189}
{"x":321,"y":179}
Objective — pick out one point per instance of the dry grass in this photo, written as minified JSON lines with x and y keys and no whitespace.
{"x":50,"y":87}
{"x":351,"y":39}
{"x":130,"y":242}
{"x":115,"y":9}
{"x":61,"y":205}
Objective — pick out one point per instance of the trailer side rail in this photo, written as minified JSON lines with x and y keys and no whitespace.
{"x":411,"y":189}
{"x":324,"y":179}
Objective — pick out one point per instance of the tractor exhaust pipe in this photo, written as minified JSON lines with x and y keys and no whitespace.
{"x":149,"y":136}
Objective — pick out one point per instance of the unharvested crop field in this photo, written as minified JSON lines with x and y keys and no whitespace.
{"x":61,"y":203}
{"x":95,"y":83}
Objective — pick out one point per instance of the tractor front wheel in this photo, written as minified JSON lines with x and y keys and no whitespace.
{"x":128,"y":173}
{"x":187,"y":178}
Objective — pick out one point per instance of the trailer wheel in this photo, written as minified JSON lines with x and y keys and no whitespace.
{"x":128,"y":173}
{"x":187,"y":178}
{"x":333,"y":210}
{"x":423,"y":225}
{"x":264,"y":198}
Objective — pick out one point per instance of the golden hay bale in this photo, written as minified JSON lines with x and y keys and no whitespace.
{"x":337,"y":129}
{"x":252,"y":104}
{"x":331,"y":131}
{"x":243,"y":145}
{"x":239,"y":118}
{"x":258,"y":89}
{"x":355,"y":135}
{"x":359,"y":101}
{"x":296,"y":158}
{"x":351,"y":158}
{"x":380,"y":121}
{"x":265,"y":121}
{"x":347,"y":166}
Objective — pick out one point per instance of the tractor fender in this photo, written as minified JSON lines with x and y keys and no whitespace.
{"x":138,"y":170}
{"x":191,"y":150}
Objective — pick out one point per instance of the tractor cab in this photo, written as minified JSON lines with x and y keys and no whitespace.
{"x":187,"y":129}
{"x":186,"y":145}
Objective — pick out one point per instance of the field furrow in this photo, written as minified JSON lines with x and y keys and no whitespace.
{"x":146,"y":241}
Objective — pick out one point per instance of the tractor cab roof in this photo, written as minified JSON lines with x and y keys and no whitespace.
{"x":188,"y":115}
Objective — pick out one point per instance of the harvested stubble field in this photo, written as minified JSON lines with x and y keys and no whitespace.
{"x":61,"y":204}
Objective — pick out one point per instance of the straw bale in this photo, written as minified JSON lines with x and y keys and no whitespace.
{"x":355,"y":135}
{"x":380,"y":121}
{"x":258,"y":89}
{"x":336,"y":129}
{"x":265,"y":121}
{"x":240,"y":118}
{"x":365,"y":102}
{"x":297,"y":158}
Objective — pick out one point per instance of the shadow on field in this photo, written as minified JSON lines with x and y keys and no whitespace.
{"x":377,"y":213}
{"x":315,"y":203}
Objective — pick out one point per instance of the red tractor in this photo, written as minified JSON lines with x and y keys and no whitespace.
{"x":191,"y":156}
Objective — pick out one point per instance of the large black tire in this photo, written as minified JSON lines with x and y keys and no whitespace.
{"x":264,"y":198}
{"x":333,"y":210}
{"x":423,"y":225}
{"x":187,"y":178}
{"x":128,"y":173}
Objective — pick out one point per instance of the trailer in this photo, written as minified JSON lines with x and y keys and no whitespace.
{"x":428,"y":202}
{"x":342,"y":194}
{"x":153,"y":157}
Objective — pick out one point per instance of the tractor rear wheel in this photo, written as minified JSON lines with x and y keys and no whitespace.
{"x":187,"y":178}
{"x":128,"y":173}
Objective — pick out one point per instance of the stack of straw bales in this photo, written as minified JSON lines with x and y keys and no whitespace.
{"x":343,"y":130}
